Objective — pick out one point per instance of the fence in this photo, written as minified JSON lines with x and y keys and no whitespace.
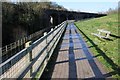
{"x":13,"y":48}
{"x":32,"y":60}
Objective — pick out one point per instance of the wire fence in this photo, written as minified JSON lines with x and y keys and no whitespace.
{"x":32,"y":60}
{"x":13,"y":48}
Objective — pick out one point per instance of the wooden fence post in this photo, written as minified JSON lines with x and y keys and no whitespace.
{"x":53,"y":32}
{"x":28,"y":59}
{"x":45,"y":33}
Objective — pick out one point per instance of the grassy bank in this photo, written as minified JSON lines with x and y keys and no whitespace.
{"x":105,"y":50}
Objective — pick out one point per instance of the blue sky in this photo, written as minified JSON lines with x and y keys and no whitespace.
{"x":89,"y":6}
{"x":84,"y":5}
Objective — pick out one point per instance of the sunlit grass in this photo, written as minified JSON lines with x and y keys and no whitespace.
{"x":110,"y":48}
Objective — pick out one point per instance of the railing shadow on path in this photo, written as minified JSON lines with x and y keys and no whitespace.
{"x":47,"y":74}
{"x":92,"y":63}
{"x":71,"y":60}
{"x":114,"y":66}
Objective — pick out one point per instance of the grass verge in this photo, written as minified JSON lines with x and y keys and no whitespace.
{"x":105,"y":50}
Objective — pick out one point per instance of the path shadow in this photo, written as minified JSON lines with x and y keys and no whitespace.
{"x":47,"y":74}
{"x":114,"y":66}
{"x":92,"y":63}
{"x":72,"y":74}
{"x":72,"y":64}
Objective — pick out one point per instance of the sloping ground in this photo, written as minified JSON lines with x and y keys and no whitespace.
{"x":105,"y":50}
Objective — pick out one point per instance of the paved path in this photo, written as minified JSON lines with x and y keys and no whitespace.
{"x":74,"y":60}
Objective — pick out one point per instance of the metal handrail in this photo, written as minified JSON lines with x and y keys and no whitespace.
{"x":15,"y":59}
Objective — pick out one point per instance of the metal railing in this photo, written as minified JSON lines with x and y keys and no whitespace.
{"x":32,"y":60}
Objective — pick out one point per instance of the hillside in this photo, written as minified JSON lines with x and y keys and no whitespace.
{"x":105,"y":50}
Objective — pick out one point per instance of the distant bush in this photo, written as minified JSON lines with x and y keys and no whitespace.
{"x":112,"y":11}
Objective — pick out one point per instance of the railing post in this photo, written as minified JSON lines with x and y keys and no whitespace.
{"x":28,"y":59}
{"x":11,"y":47}
{"x":52,"y":35}
{"x":45,"y":33}
{"x":51,"y":29}
{"x":56,"y":26}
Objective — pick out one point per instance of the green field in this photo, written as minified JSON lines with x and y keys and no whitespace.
{"x":105,"y":50}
